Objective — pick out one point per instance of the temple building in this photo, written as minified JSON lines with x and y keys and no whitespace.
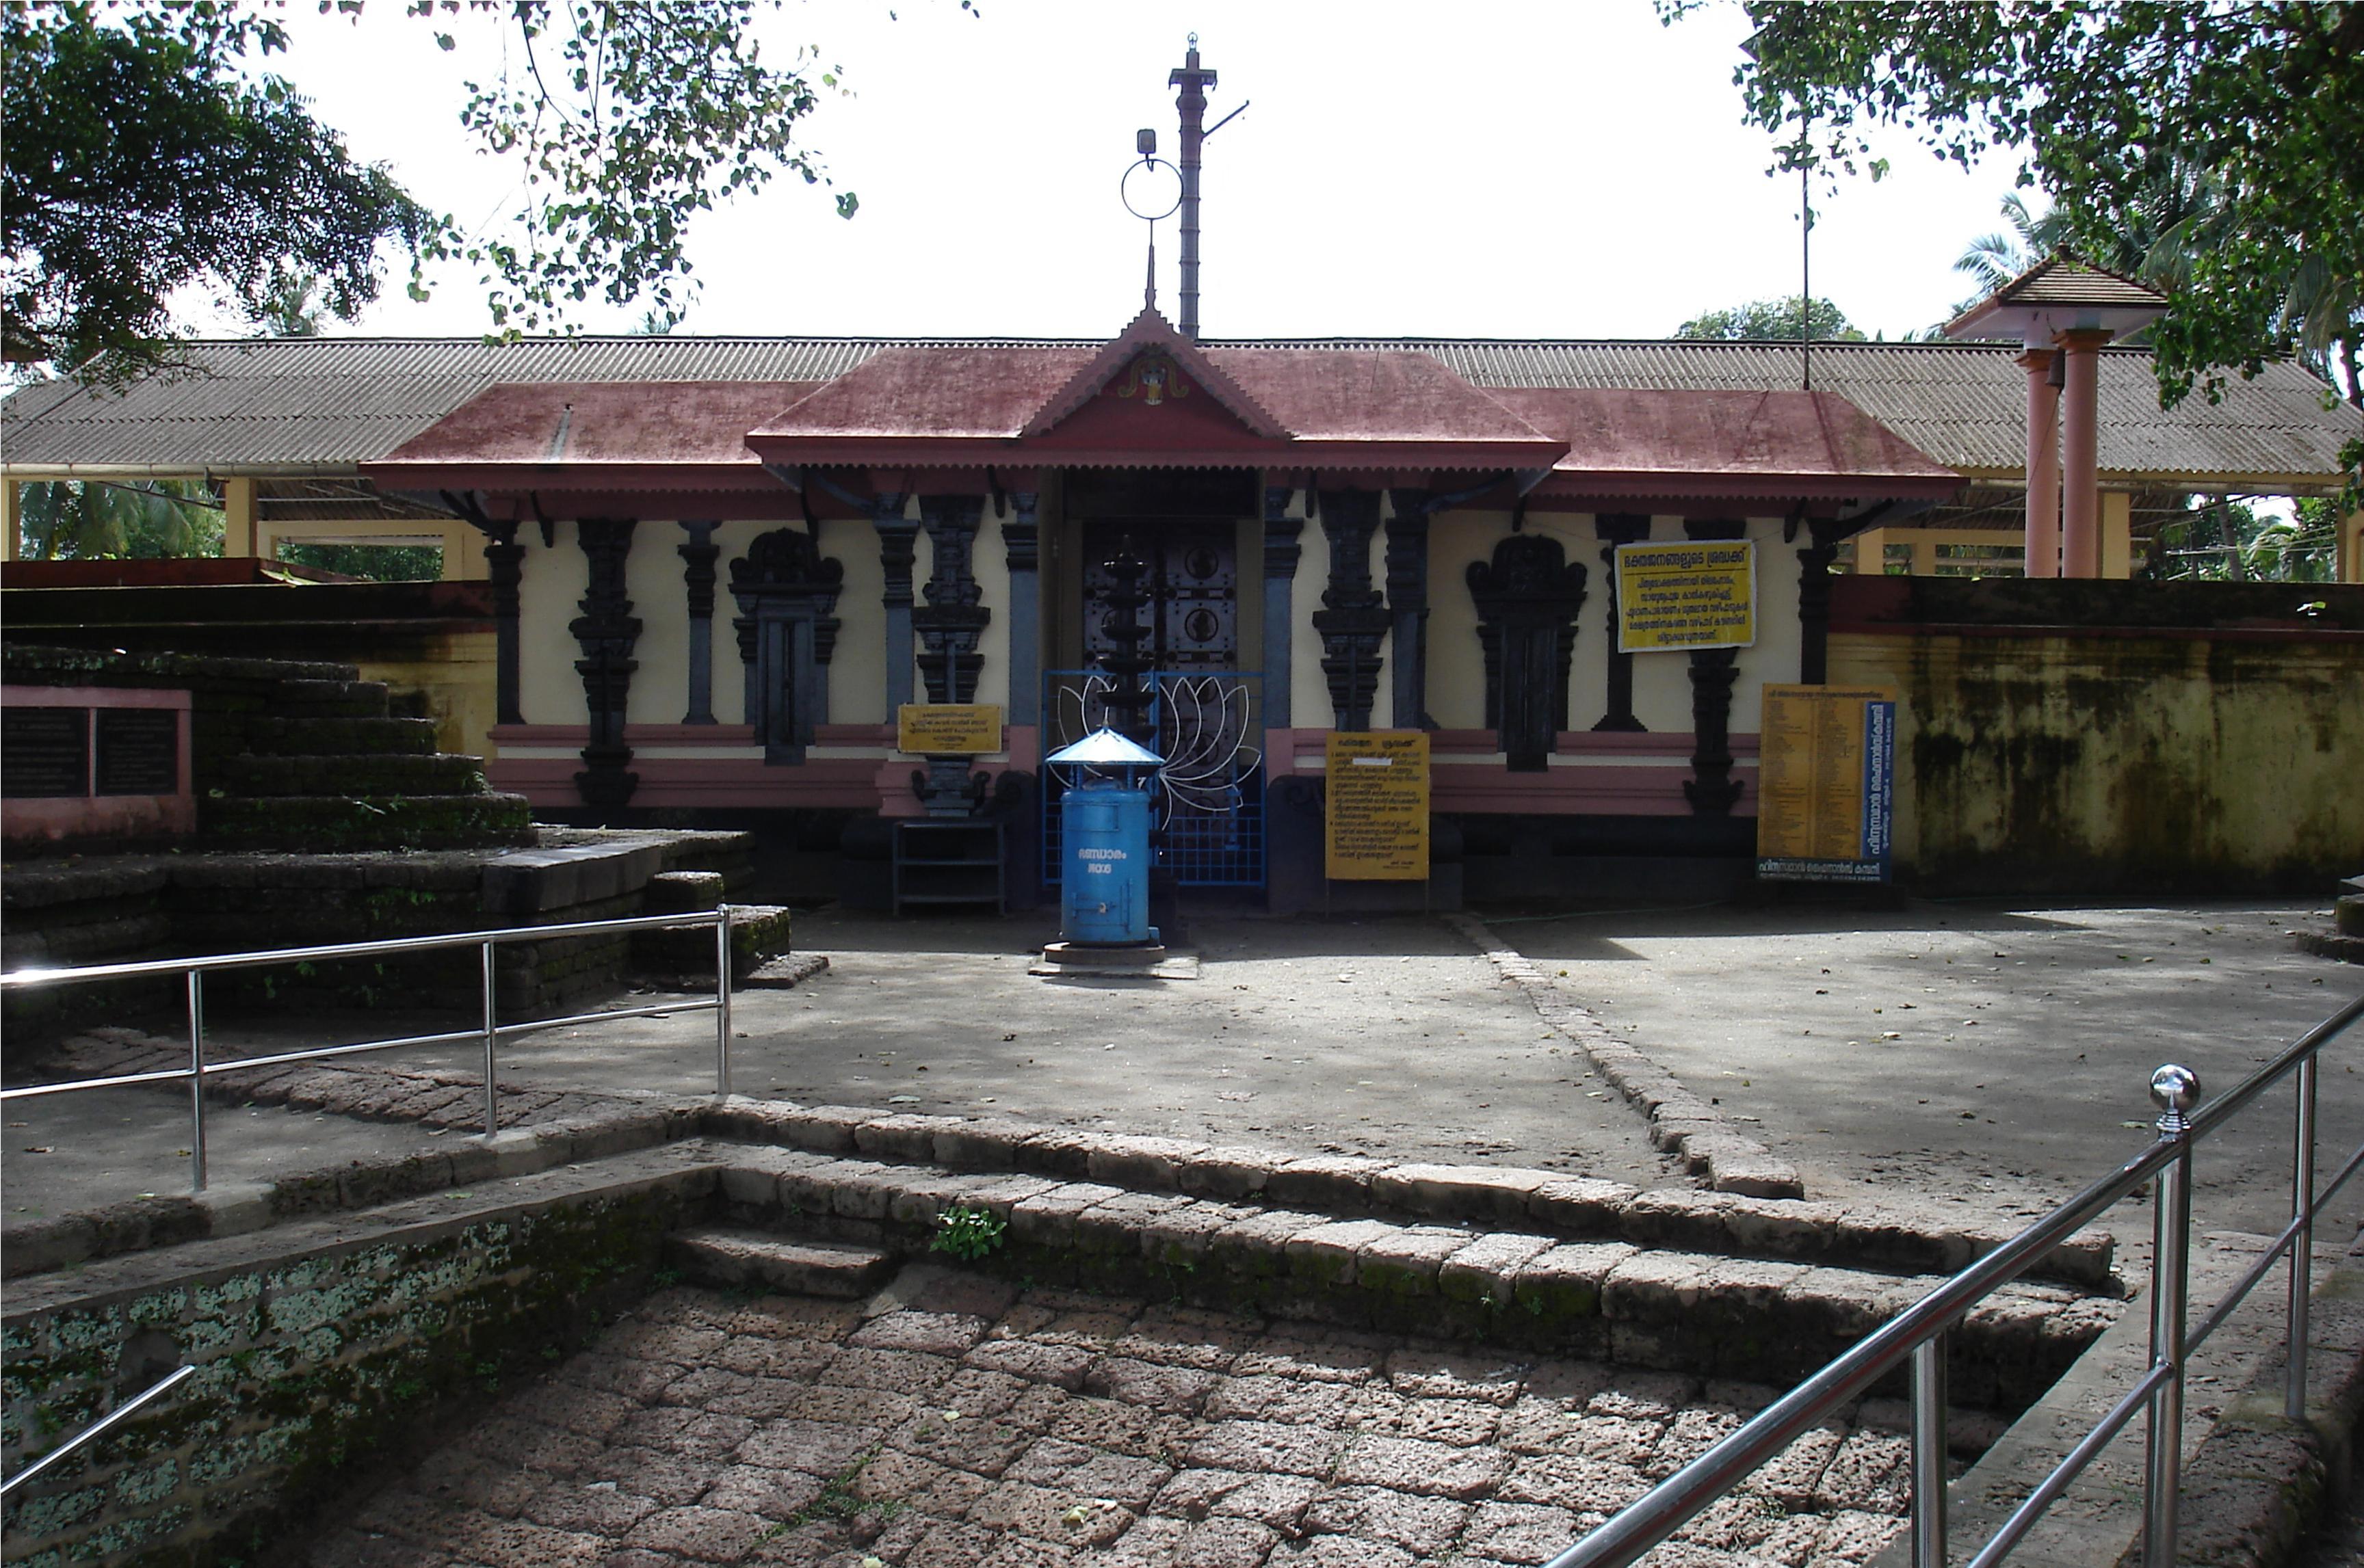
{"x":704,"y":577}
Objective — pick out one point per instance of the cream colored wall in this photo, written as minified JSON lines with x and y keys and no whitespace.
{"x":551,"y":582}
{"x":857,"y":678}
{"x":990,"y":562}
{"x":1457,"y":665}
{"x":660,"y":692}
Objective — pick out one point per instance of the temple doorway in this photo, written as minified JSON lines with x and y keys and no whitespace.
{"x":1162,"y":648}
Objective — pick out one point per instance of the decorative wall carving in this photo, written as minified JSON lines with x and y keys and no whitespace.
{"x":1282,"y":551}
{"x":1527,"y":600}
{"x":698,"y":556}
{"x":607,"y":632}
{"x":896,"y":534}
{"x":1353,"y":620}
{"x":1712,"y":789}
{"x":788,"y":632}
{"x":1020,"y":543}
{"x":953,"y":621}
{"x":1613,"y":528}
{"x":1407,"y":562}
{"x":1814,"y":600}
{"x":505,"y":558}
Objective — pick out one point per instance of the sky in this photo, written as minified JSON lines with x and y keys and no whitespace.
{"x":1489,"y":168}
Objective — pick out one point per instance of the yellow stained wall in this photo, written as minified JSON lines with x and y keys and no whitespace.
{"x":2080,"y":763}
{"x":457,"y":674}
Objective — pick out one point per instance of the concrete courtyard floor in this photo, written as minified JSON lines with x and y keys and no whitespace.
{"x":1984,"y":1055}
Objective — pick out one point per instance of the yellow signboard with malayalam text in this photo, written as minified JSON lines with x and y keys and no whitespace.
{"x":1691,"y":594}
{"x":1825,"y":783}
{"x":947,"y":729}
{"x":1377,"y":828}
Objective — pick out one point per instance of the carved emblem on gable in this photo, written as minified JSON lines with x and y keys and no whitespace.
{"x":1152,"y":378}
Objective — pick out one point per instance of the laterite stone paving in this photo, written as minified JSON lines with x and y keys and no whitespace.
{"x":955,"y":1421}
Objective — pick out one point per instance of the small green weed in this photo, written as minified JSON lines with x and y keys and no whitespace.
{"x":969,"y":1234}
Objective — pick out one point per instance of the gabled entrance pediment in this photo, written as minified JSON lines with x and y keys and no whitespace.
{"x":1150,"y":386}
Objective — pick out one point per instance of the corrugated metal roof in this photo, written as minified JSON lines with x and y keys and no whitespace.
{"x":294,"y":402}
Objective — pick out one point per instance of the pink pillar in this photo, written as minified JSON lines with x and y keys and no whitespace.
{"x":2043,"y":464}
{"x":2081,"y":490}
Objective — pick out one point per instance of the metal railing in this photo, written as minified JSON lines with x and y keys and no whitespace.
{"x":1918,"y":1335}
{"x":99,"y":1428}
{"x":491,"y":1032}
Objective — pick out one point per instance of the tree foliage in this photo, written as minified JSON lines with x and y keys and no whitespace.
{"x":147,"y":150}
{"x":2243,"y":115}
{"x":137,"y":162}
{"x":377,"y":562}
{"x":1774,"y":320}
{"x":2225,"y":540}
{"x":72,"y":519}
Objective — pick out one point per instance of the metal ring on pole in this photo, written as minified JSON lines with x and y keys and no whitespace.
{"x":1124,"y":188}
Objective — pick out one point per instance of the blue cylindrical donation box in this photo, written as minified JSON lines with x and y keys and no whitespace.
{"x":1104,"y":884}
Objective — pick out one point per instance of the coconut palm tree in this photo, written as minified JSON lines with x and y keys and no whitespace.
{"x":99,"y":520}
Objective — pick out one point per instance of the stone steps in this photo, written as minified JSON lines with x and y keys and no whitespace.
{"x":440,"y":773}
{"x":329,"y":699}
{"x":725,"y":1257}
{"x":272,"y":736}
{"x":328,"y":824}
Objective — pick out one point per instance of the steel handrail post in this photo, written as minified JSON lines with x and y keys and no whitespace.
{"x":2176,"y":1089}
{"x":196,"y":1080}
{"x":722,"y":1000}
{"x":2301,"y":1256}
{"x":1929,"y":1453}
{"x":491,"y":1040}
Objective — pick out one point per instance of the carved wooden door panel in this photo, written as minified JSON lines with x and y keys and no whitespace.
{"x":1193,"y":585}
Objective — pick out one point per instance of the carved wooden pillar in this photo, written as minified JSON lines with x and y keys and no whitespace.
{"x":698,"y":577}
{"x":1814,"y":601}
{"x":1527,"y":598}
{"x":1613,"y":528}
{"x":1712,"y":789}
{"x":607,"y":632}
{"x":896,"y":534}
{"x":1407,"y":562}
{"x":1281,"y":554}
{"x":505,"y":558}
{"x":1020,"y":537}
{"x":1353,"y":619}
{"x":953,"y":621}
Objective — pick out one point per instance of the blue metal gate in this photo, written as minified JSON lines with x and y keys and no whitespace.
{"x":1207,"y":823}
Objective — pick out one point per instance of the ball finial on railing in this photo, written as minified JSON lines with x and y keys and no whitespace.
{"x":2175,"y":1090}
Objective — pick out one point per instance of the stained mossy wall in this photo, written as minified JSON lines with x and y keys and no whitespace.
{"x":307,"y":1364}
{"x":2200,"y":764}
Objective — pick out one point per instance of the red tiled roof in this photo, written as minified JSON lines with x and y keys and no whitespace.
{"x":1738,"y":443}
{"x":960,"y":405}
{"x":984,"y":394}
{"x":573,"y":423}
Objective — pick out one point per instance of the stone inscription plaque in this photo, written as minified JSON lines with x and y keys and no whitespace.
{"x":139,"y":751}
{"x":44,"y":752}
